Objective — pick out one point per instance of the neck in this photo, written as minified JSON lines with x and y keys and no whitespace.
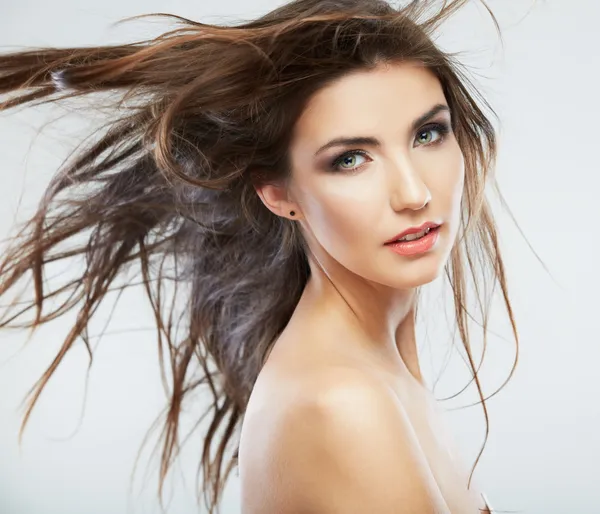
{"x":381,"y":317}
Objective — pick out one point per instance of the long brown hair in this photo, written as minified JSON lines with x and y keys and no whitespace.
{"x":202,"y":116}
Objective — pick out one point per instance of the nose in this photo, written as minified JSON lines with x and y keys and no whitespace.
{"x":408,"y":190}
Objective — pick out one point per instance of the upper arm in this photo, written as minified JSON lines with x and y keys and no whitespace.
{"x":352,"y":451}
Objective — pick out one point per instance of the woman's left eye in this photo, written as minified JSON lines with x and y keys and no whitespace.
{"x":441,"y":129}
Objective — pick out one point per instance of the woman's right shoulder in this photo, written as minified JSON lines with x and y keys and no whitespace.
{"x":321,"y":382}
{"x":342,"y":443}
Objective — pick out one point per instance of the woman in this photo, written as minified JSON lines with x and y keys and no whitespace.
{"x":233,"y":160}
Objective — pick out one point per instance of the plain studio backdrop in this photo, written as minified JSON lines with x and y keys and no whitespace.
{"x":544,"y":442}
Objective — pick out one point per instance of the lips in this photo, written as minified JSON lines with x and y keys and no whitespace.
{"x":429,"y":225}
{"x":416,"y":247}
{"x":414,"y":237}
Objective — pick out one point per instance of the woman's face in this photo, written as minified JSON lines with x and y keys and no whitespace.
{"x":349,"y":209}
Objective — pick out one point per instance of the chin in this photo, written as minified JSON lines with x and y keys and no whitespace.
{"x":420,"y":271}
{"x":420,"y":279}
{"x":414,"y":271}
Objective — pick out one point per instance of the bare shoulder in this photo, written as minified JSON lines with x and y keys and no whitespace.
{"x":344,"y":445}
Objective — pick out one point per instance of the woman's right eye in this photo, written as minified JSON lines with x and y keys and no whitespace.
{"x":338,"y":161}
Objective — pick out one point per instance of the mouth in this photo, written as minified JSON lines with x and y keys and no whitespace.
{"x":414,"y":236}
{"x":418,"y":243}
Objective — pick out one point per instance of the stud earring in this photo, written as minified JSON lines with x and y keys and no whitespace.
{"x":292,"y":213}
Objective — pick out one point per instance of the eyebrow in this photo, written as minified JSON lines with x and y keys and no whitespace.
{"x":369,"y":140}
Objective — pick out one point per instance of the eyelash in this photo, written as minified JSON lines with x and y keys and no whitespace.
{"x":442,"y":128}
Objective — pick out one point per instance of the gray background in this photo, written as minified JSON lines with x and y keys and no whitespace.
{"x":544,"y":445}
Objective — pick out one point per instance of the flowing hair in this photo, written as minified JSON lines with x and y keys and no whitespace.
{"x":203,"y":116}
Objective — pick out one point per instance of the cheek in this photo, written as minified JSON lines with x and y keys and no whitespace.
{"x":458,"y":186}
{"x":447,"y":182}
{"x":341,"y":217}
{"x":459,"y":182}
{"x":451,"y":193}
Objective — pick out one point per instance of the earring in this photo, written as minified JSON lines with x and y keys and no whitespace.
{"x":292,"y":213}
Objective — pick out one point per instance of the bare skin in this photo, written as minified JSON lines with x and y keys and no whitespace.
{"x":353,"y":329}
{"x":297,"y":370}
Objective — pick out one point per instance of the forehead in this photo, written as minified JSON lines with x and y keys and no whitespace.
{"x":368,"y":100}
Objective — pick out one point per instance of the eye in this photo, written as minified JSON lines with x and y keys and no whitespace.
{"x":425,"y":135}
{"x":429,"y":135}
{"x":344,"y":158}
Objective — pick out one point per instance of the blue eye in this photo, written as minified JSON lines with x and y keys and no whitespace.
{"x":441,"y":128}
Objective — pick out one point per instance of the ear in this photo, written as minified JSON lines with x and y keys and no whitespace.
{"x":275,"y":198}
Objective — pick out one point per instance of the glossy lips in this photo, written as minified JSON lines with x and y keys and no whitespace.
{"x":416,"y":246}
{"x":413,"y":230}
